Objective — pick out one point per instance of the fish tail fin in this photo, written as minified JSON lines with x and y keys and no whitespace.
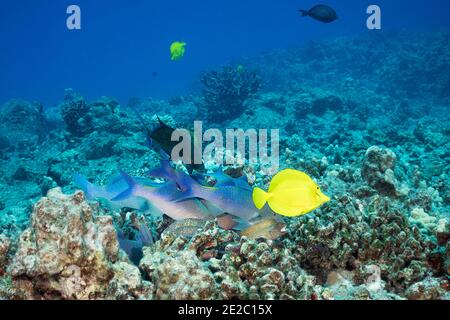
{"x":229,"y":222}
{"x":304,"y":12}
{"x":260,"y":197}
{"x":130,"y":191}
{"x":87,"y":187}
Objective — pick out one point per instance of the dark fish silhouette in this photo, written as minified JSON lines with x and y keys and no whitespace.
{"x":321,"y":13}
{"x":160,"y":139}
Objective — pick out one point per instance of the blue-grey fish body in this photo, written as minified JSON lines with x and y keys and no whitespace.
{"x":145,"y":195}
{"x":234,"y":200}
{"x":162,"y":197}
{"x":232,"y":196}
{"x":321,"y":12}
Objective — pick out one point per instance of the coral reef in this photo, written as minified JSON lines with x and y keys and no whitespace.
{"x":375,"y":146}
{"x":74,"y":112}
{"x":359,"y":235}
{"x":232,"y":268}
{"x":71,"y":252}
{"x":182,"y":277}
{"x":378,"y":171}
{"x":5,"y":244}
{"x":225,"y":92}
{"x":393,"y":64}
{"x":21,"y":126}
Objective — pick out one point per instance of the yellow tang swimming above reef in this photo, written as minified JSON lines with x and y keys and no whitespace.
{"x":291,"y":193}
{"x":177,"y":50}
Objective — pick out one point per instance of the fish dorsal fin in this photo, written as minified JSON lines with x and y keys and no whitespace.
{"x":242,"y":182}
{"x":162,"y":124}
{"x":223,"y":179}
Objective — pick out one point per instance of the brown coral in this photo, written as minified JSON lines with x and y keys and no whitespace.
{"x":69,"y":251}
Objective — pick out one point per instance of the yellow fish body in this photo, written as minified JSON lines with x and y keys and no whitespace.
{"x":177,"y":50}
{"x":291,"y":193}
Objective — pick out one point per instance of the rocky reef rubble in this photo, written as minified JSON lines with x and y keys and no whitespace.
{"x":378,"y":171}
{"x":26,"y":134}
{"x":70,"y":251}
{"x":350,"y":235}
{"x":398,"y":64}
{"x":5,"y":244}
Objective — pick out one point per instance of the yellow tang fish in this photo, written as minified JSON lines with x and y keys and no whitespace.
{"x":291,"y":193}
{"x":177,"y":50}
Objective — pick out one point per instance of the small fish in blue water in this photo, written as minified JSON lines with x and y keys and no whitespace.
{"x":321,"y":12}
{"x":177,"y":50}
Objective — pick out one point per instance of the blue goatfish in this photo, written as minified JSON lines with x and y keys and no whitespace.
{"x":163,"y":198}
{"x":142,"y":194}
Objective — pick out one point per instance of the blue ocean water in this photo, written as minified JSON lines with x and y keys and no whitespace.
{"x":356,"y":204}
{"x":121,"y":45}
